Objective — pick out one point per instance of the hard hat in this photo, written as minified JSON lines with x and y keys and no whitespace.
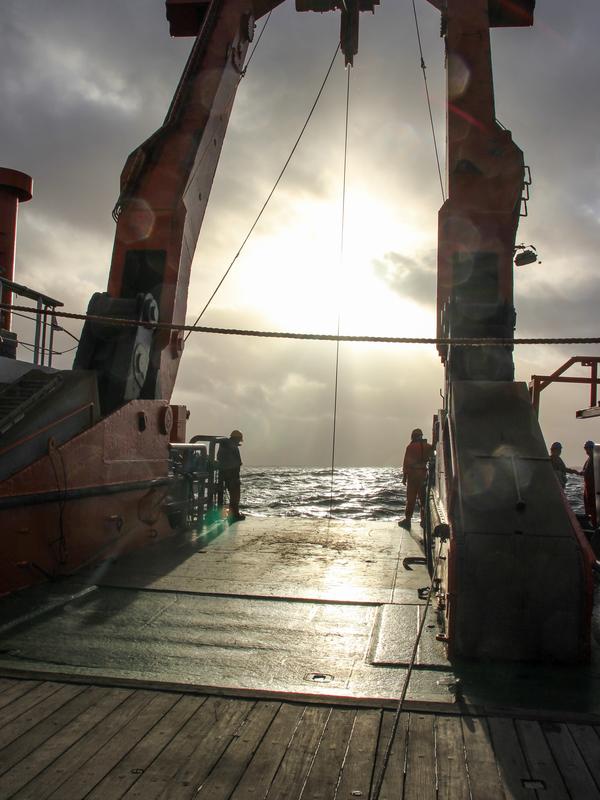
{"x":556,"y":446}
{"x":236,"y":435}
{"x":416,"y":434}
{"x":589,"y":444}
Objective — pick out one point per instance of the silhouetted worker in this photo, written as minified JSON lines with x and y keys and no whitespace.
{"x":230,"y":461}
{"x":414,"y":475}
{"x":558,"y":465}
{"x":589,"y":485}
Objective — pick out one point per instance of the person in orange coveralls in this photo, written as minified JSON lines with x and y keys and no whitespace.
{"x":414,"y":475}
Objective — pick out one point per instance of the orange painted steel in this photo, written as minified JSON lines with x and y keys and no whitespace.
{"x":485,"y":168}
{"x":15,"y":187}
{"x":516,"y":582}
{"x":98,"y":495}
{"x":540,"y":382}
{"x":166,"y":182}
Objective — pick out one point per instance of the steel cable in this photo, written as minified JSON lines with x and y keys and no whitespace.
{"x":388,"y":749}
{"x":424,"y":67}
{"x":262,"y":30}
{"x":270,"y":195}
{"x":341,"y":263}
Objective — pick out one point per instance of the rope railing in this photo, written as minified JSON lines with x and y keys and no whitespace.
{"x":326,"y":337}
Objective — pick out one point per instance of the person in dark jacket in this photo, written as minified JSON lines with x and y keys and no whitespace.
{"x":230,"y":461}
{"x":414,"y":475}
{"x":589,"y":484}
{"x":558,"y":465}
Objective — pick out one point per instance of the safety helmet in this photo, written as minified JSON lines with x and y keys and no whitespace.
{"x":416,"y":435}
{"x":589,"y":445}
{"x":236,"y":435}
{"x":556,"y":446}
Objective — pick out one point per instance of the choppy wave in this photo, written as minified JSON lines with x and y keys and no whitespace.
{"x":352,"y":493}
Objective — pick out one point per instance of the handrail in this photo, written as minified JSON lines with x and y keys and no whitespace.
{"x":45,"y":306}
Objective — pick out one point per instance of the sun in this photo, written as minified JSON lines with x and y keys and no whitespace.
{"x":298,"y":278}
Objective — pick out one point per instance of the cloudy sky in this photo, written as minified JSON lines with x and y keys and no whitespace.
{"x":82,"y":83}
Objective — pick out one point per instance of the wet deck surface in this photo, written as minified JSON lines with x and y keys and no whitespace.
{"x":71,"y":741}
{"x":265,"y":660}
{"x":286,"y":608}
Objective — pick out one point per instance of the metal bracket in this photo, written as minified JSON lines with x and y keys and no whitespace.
{"x":409,"y":560}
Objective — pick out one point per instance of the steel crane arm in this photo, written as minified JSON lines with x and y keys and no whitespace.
{"x":485,"y":180}
{"x":165,"y":186}
{"x":502,"y":13}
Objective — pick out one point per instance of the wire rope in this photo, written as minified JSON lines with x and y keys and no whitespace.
{"x":423,"y":68}
{"x":270,"y":195}
{"x":58,"y":328}
{"x":64,"y":330}
{"x":262,"y":30}
{"x":31,"y":347}
{"x":23,"y":316}
{"x":340,"y":267}
{"x":388,"y":749}
{"x":325,"y":337}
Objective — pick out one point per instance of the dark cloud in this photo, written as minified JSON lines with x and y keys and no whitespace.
{"x":78,"y":94}
{"x":411,"y":278}
{"x":545,"y":309}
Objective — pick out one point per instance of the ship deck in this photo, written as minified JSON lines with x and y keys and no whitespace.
{"x":266,"y":659}
{"x":68,"y":741}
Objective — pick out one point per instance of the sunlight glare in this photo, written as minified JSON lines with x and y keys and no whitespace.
{"x":293,"y":275}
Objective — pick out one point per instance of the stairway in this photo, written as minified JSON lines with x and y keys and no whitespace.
{"x":18,"y":397}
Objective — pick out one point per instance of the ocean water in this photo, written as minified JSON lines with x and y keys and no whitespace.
{"x":356,"y":492}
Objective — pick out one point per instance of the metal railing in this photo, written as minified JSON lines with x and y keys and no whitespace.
{"x":45,"y":322}
{"x":200,"y":487}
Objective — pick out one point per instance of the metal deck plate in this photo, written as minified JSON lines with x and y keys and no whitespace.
{"x":267,"y":606}
{"x":394,"y":634}
{"x":348,"y":562}
{"x":295,"y":609}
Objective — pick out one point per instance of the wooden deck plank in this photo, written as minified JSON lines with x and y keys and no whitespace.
{"x":209,"y":750}
{"x":111,"y":740}
{"x":588,"y":743}
{"x":257,"y":779}
{"x":11,"y":690}
{"x":233,"y":763}
{"x":420,"y":782}
{"x":392,"y":786}
{"x":191,"y":754}
{"x":540,"y":760}
{"x":453,"y":783}
{"x":103,"y":702}
{"x":19,"y":742}
{"x":73,"y":761}
{"x":570,"y":762}
{"x":33,"y":701}
{"x":299,"y":755}
{"x":327,"y":766}
{"x":139,"y":758}
{"x":511,"y":762}
{"x":484,"y":780}
{"x":74,"y":741}
{"x":357,"y":770}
